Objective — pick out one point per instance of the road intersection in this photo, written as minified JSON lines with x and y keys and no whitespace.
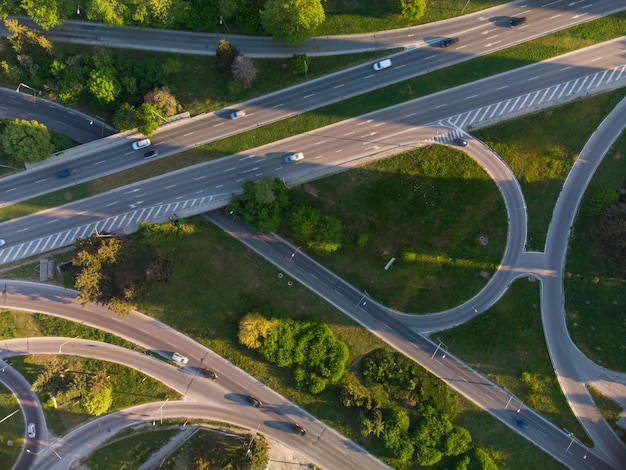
{"x":571,"y":367}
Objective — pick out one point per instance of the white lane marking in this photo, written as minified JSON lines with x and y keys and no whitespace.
{"x":555,"y":16}
{"x":340,"y":150}
{"x":41,"y":181}
{"x":493,"y":43}
{"x":170,"y":186}
{"x":461,"y":47}
{"x":533,"y":78}
{"x":370,"y":76}
{"x":597,"y":58}
{"x":230,"y":169}
{"x":100,"y":162}
{"x":409,"y":115}
{"x":111,"y":204}
{"x":51,"y":221}
{"x":349,"y":133}
{"x":551,"y":3}
{"x":22,"y":230}
{"x":308,"y":96}
{"x":200,"y":178}
{"x":320,"y":142}
{"x":399,"y":66}
{"x":9,"y":190}
{"x":215,"y":125}
{"x":188,"y":133}
{"x":339,"y":86}
{"x":431,"y":56}
{"x":491,"y":37}
{"x":219,"y":186}
{"x":470,"y":97}
{"x":279,"y":105}
{"x":565,"y":68}
{"x":503,"y":87}
{"x":440,"y":106}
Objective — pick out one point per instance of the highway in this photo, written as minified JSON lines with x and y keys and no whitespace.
{"x":481,"y":33}
{"x":488,"y":25}
{"x":208,"y":186}
{"x":449,"y":112}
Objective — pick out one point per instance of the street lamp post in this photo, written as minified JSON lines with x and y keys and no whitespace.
{"x":441,"y":343}
{"x":68,"y":341}
{"x":161,"y":409}
{"x":78,"y":7}
{"x":294,"y":253}
{"x":32,"y":89}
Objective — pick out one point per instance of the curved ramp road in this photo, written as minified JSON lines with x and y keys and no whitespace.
{"x":223,"y":400}
{"x":491,"y":26}
{"x":30,"y":408}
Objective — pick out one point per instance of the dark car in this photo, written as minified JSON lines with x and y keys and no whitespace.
{"x":516,"y":21}
{"x":210,"y":374}
{"x":64,"y":173}
{"x":447,"y":42}
{"x":253,"y":401}
{"x":461,"y":142}
{"x":299,"y":429}
{"x":150,"y":154}
{"x":520,"y":423}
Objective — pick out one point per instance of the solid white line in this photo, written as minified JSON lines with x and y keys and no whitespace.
{"x":9,"y":190}
{"x":551,"y":3}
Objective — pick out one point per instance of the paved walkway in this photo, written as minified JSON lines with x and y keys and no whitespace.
{"x":164,"y":452}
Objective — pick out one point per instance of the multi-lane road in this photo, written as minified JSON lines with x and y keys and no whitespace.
{"x":390,"y":129}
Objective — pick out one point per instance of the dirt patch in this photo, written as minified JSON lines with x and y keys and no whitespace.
{"x":285,"y":458}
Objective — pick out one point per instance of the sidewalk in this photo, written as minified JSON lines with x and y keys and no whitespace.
{"x":169,"y":448}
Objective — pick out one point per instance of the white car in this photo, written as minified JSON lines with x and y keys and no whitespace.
{"x":177,"y":357}
{"x":294,"y":157}
{"x":383,"y":64}
{"x":237,"y":114}
{"x":2,"y":242}
{"x":32,"y":430}
{"x":141,"y":144}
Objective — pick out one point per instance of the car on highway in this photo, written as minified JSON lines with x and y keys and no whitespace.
{"x":150,"y":154}
{"x":2,"y":242}
{"x":299,"y":429}
{"x":237,"y":114}
{"x":447,"y":42}
{"x":519,"y":422}
{"x":461,"y":142}
{"x":138,"y":145}
{"x":294,"y":157}
{"x":382,"y":64}
{"x":64,"y":173}
{"x":32,"y":430}
{"x":210,"y":374}
{"x":517,"y":20}
{"x":253,"y":401}
{"x":177,"y":357}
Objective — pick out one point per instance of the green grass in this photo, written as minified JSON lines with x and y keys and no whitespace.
{"x":362,"y":16}
{"x":12,"y":430}
{"x":129,"y":449}
{"x":130,"y":388}
{"x":507,"y":341}
{"x":595,"y":283}
{"x":610,"y":410}
{"x":542,"y":155}
{"x":427,"y":208}
{"x":206,"y":98}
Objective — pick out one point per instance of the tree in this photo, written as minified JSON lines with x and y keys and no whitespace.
{"x":125,"y":117}
{"x":456,"y":441}
{"x":294,"y":21}
{"x":110,"y":12}
{"x":299,"y":63}
{"x":254,"y":326}
{"x":163,"y":101}
{"x":261,"y":204}
{"x":225,"y":55}
{"x":104,"y":85}
{"x":27,"y":141}
{"x":98,"y":399}
{"x":21,"y":35}
{"x":147,"y":119}
{"x":412,"y":9}
{"x":98,"y":257}
{"x":244,"y":71}
{"x":43,"y":12}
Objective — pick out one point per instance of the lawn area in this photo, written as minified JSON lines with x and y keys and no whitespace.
{"x":595,"y":283}
{"x":129,"y":449}
{"x":12,"y":429}
{"x":610,"y":410}
{"x":506,"y":344}
{"x":427,"y":208}
{"x":363,"y":16}
{"x":542,"y":155}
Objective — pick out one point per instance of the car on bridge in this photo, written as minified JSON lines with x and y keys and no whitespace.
{"x":447,"y":42}
{"x":141,"y":144}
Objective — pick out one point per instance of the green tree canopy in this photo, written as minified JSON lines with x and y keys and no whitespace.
{"x":225,"y":55}
{"x":103,"y":85}
{"x":294,"y":21}
{"x":27,"y":141}
{"x":43,"y":12}
{"x":261,"y":204}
